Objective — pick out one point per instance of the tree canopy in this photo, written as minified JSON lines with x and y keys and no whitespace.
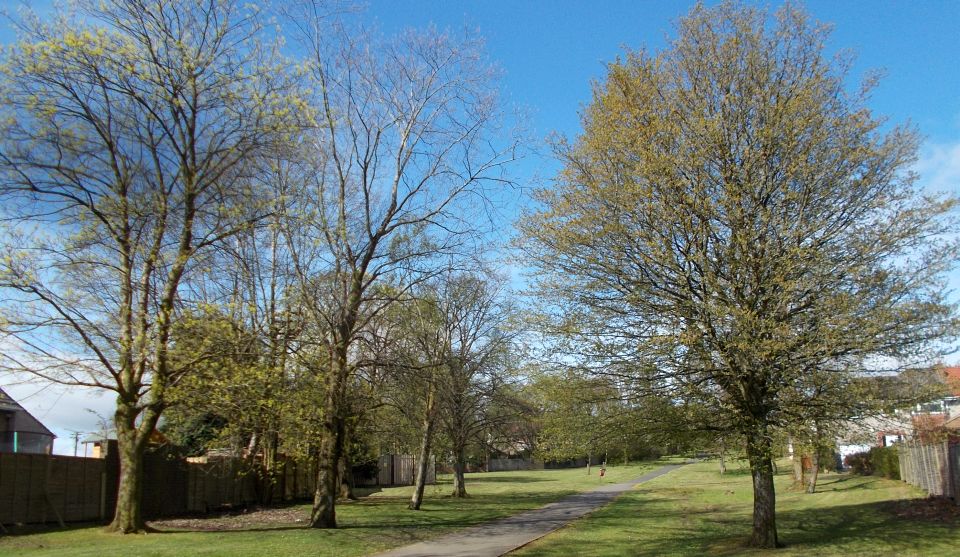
{"x":736,"y":222}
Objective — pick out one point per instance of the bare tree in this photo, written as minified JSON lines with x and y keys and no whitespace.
{"x":404,"y":156}
{"x":476,"y":353}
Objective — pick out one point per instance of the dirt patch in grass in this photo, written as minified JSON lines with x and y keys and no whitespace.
{"x":244,"y":519}
{"x":931,"y":509}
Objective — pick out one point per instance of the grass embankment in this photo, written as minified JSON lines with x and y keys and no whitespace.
{"x":373,"y":523}
{"x":695,"y":511}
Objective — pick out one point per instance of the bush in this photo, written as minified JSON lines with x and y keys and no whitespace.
{"x":859,"y":463}
{"x":878,"y":461}
{"x":885,"y":462}
{"x":828,"y":459}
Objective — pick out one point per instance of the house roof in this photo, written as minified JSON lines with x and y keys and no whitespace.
{"x":951,"y":376}
{"x":23,"y":420}
{"x":7,"y":404}
{"x":953,"y":424}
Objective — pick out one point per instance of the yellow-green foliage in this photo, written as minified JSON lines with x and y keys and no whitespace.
{"x":736,"y":224}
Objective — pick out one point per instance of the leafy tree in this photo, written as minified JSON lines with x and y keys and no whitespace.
{"x":742,"y":227}
{"x":130,"y":134}
{"x":454,"y":344}
{"x":577,"y":412}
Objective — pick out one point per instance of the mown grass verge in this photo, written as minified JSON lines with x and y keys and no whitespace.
{"x":374,"y":523}
{"x":695,"y":511}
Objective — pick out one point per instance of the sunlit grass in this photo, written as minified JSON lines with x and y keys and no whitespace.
{"x":374,"y":523}
{"x":695,"y":511}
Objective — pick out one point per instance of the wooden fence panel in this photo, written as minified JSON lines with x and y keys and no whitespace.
{"x":49,"y":488}
{"x":403,"y":470}
{"x":8,"y":481}
{"x":513,"y":464}
{"x":385,"y":475}
{"x":33,"y":492}
{"x":935,"y":467}
{"x":44,"y":488}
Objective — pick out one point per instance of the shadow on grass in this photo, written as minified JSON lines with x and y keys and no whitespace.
{"x":647,"y":527}
{"x":28,"y":529}
{"x":437,"y":516}
{"x":508,"y":479}
{"x":873,"y":521}
{"x":843,"y":483}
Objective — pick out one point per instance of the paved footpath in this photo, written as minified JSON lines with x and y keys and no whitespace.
{"x":502,"y":536}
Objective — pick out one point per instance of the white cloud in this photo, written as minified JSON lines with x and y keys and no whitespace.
{"x":64,"y":410}
{"x":939,"y":167}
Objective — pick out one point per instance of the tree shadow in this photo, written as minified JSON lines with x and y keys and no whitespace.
{"x":508,"y":479}
{"x":876,"y":521}
{"x":843,"y":483}
{"x":43,"y":528}
{"x":443,"y":515}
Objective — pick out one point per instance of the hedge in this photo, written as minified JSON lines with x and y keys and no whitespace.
{"x":878,"y":461}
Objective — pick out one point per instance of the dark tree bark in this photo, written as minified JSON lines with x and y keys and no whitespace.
{"x":346,"y":477}
{"x":324,"y":501}
{"x":459,"y":468}
{"x":331,"y":449}
{"x":764,"y":496}
{"x":814,"y":460}
{"x":814,"y":472}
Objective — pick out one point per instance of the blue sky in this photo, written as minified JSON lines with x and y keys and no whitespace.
{"x":550,"y":51}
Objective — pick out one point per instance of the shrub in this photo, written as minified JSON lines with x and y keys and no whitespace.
{"x":878,"y":461}
{"x":885,"y":462}
{"x":859,"y":463}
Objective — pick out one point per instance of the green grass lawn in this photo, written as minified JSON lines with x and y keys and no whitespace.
{"x":372,"y":524}
{"x":695,"y":511}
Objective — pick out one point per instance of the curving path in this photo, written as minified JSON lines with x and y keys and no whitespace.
{"x":502,"y":536}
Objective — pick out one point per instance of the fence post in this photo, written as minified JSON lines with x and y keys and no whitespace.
{"x":111,"y":478}
{"x":953,"y":457}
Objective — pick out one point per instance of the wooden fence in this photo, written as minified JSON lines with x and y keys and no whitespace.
{"x":401,"y":470}
{"x":51,"y":488}
{"x":42,"y":488}
{"x":511,"y":464}
{"x":173,"y":486}
{"x":933,"y":467}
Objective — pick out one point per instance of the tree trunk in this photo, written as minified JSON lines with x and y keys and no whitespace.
{"x":798,"y":469}
{"x":270,"y":467}
{"x":814,"y":460}
{"x":423,"y":460}
{"x":459,"y":467}
{"x":814,"y":471}
{"x":128,"y":518}
{"x":589,"y":461}
{"x":723,"y":456}
{"x":345,"y":469}
{"x":764,"y":497}
{"x":324,"y":513}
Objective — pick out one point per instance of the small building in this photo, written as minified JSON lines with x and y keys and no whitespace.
{"x":20,"y":432}
{"x":95,"y":444}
